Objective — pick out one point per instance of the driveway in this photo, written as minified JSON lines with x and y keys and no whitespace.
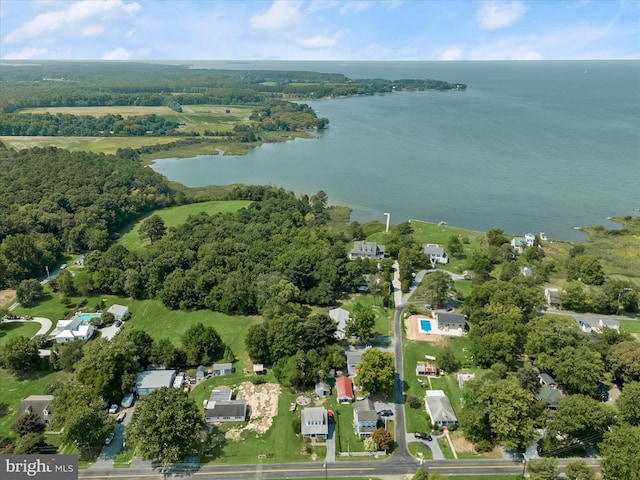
{"x":433,"y":445}
{"x":45,"y":324}
{"x":109,"y":332}
{"x":109,"y":452}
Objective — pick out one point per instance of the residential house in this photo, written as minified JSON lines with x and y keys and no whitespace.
{"x":118,"y":311}
{"x":340,"y":316}
{"x":222,"y":369}
{"x":322,"y":389}
{"x":315,"y":423}
{"x":365,"y":418}
{"x":547,"y":380}
{"x":614,"y":324}
{"x":344,"y":389}
{"x":585,"y":326}
{"x":152,"y":380}
{"x":78,"y":328}
{"x":221,"y":408}
{"x":362,"y":249}
{"x":436,"y":254}
{"x":520,"y":243}
{"x":439,"y":408}
{"x":451,"y":322}
{"x":552,"y":296}
{"x":548,"y":392}
{"x":425,"y":368}
{"x":354,"y":357}
{"x":38,"y":404}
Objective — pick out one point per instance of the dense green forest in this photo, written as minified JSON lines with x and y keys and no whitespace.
{"x":273,"y":256}
{"x":59,"y":84}
{"x":53,"y":200}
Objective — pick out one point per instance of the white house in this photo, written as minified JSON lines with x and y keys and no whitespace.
{"x":614,"y":324}
{"x":436,"y":254}
{"x":118,"y":311}
{"x":340,"y":316}
{"x":315,"y":423}
{"x":69,"y":330}
{"x":439,"y":408}
{"x":519,"y":243}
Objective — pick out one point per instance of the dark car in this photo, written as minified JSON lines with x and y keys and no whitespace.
{"x":109,"y":439}
{"x":423,"y":436}
{"x":385,"y":413}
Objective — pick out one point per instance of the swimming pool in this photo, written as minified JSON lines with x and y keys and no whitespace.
{"x":425,"y":326}
{"x":87,"y":316}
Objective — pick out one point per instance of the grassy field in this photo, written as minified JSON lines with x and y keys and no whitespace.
{"x":420,"y":450}
{"x":17,"y":329}
{"x":446,"y":449}
{"x":631,"y":326}
{"x":178,"y":215}
{"x":107,"y":145}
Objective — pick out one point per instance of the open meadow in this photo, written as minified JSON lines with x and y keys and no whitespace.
{"x":175,"y":216}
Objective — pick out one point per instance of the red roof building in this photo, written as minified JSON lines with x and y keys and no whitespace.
{"x":344,"y":387}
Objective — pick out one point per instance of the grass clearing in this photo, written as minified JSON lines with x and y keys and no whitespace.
{"x":17,"y":329}
{"x":446,"y":449}
{"x":420,"y":450}
{"x":631,"y":326}
{"x":176,"y":216}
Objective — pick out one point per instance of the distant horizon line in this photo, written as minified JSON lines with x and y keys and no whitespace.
{"x":32,"y":60}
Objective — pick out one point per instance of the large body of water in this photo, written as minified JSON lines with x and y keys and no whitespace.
{"x":529,"y":147}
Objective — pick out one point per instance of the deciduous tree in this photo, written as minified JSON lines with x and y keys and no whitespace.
{"x":621,"y":455}
{"x":19,"y":354}
{"x":382,"y":438}
{"x":628,"y":403}
{"x":624,"y":359}
{"x":153,"y":228}
{"x":202,"y":344}
{"x":166,"y":425}
{"x":361,"y":321}
{"x":579,"y":471}
{"x":28,"y":292}
{"x":543,"y":469}
{"x":375,"y":371}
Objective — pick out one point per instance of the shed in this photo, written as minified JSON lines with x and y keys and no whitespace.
{"x":258,"y":369}
{"x":222,"y":369}
{"x":322,"y":389}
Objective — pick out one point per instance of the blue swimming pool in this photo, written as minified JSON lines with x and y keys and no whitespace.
{"x":425,"y":326}
{"x":88,"y":316}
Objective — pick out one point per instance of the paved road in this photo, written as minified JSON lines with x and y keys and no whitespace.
{"x":45,"y":324}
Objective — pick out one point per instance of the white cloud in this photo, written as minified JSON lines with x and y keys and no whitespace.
{"x":451,"y":53}
{"x":280,"y":15}
{"x":25,"y":54}
{"x":118,"y":54}
{"x":319,"y":41}
{"x":493,"y":15}
{"x":92,"y":31}
{"x":71,"y":19}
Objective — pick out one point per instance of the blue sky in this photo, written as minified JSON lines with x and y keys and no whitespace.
{"x":320,"y":29}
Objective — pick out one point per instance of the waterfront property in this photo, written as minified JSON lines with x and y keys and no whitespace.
{"x":436,"y":254}
{"x":362,"y":249}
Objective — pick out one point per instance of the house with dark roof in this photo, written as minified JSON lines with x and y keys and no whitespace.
{"x":315,"y":423}
{"x":354,"y":357}
{"x":362,"y":249}
{"x":38,"y":404}
{"x":344,"y":389}
{"x":451,"y":322}
{"x":550,"y":396}
{"x":547,"y":380}
{"x":365,"y":418}
{"x":221,"y":408}
{"x":439,"y":408}
{"x":436,"y":254}
{"x":552,"y":296}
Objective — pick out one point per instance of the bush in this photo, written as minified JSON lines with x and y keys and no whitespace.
{"x":296,"y":424}
{"x":413,"y":402}
{"x":483,"y":446}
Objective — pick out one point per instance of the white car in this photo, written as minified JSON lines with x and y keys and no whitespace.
{"x":63,"y":266}
{"x":113,"y":408}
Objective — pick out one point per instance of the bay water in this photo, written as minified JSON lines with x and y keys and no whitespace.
{"x":528,"y":147}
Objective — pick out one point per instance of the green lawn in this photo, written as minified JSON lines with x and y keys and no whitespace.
{"x":631,"y":326}
{"x":16,"y":388}
{"x":384,"y":316}
{"x":446,"y":449}
{"x":17,"y":329}
{"x":420,"y":450}
{"x":175,"y":216}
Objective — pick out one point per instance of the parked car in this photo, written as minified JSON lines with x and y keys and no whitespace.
{"x":121,"y":417}
{"x":109,"y":439}
{"x":117,"y":323}
{"x":423,"y":436}
{"x":128,"y":400}
{"x":113,"y":408}
{"x":63,"y":266}
{"x":385,"y":413}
